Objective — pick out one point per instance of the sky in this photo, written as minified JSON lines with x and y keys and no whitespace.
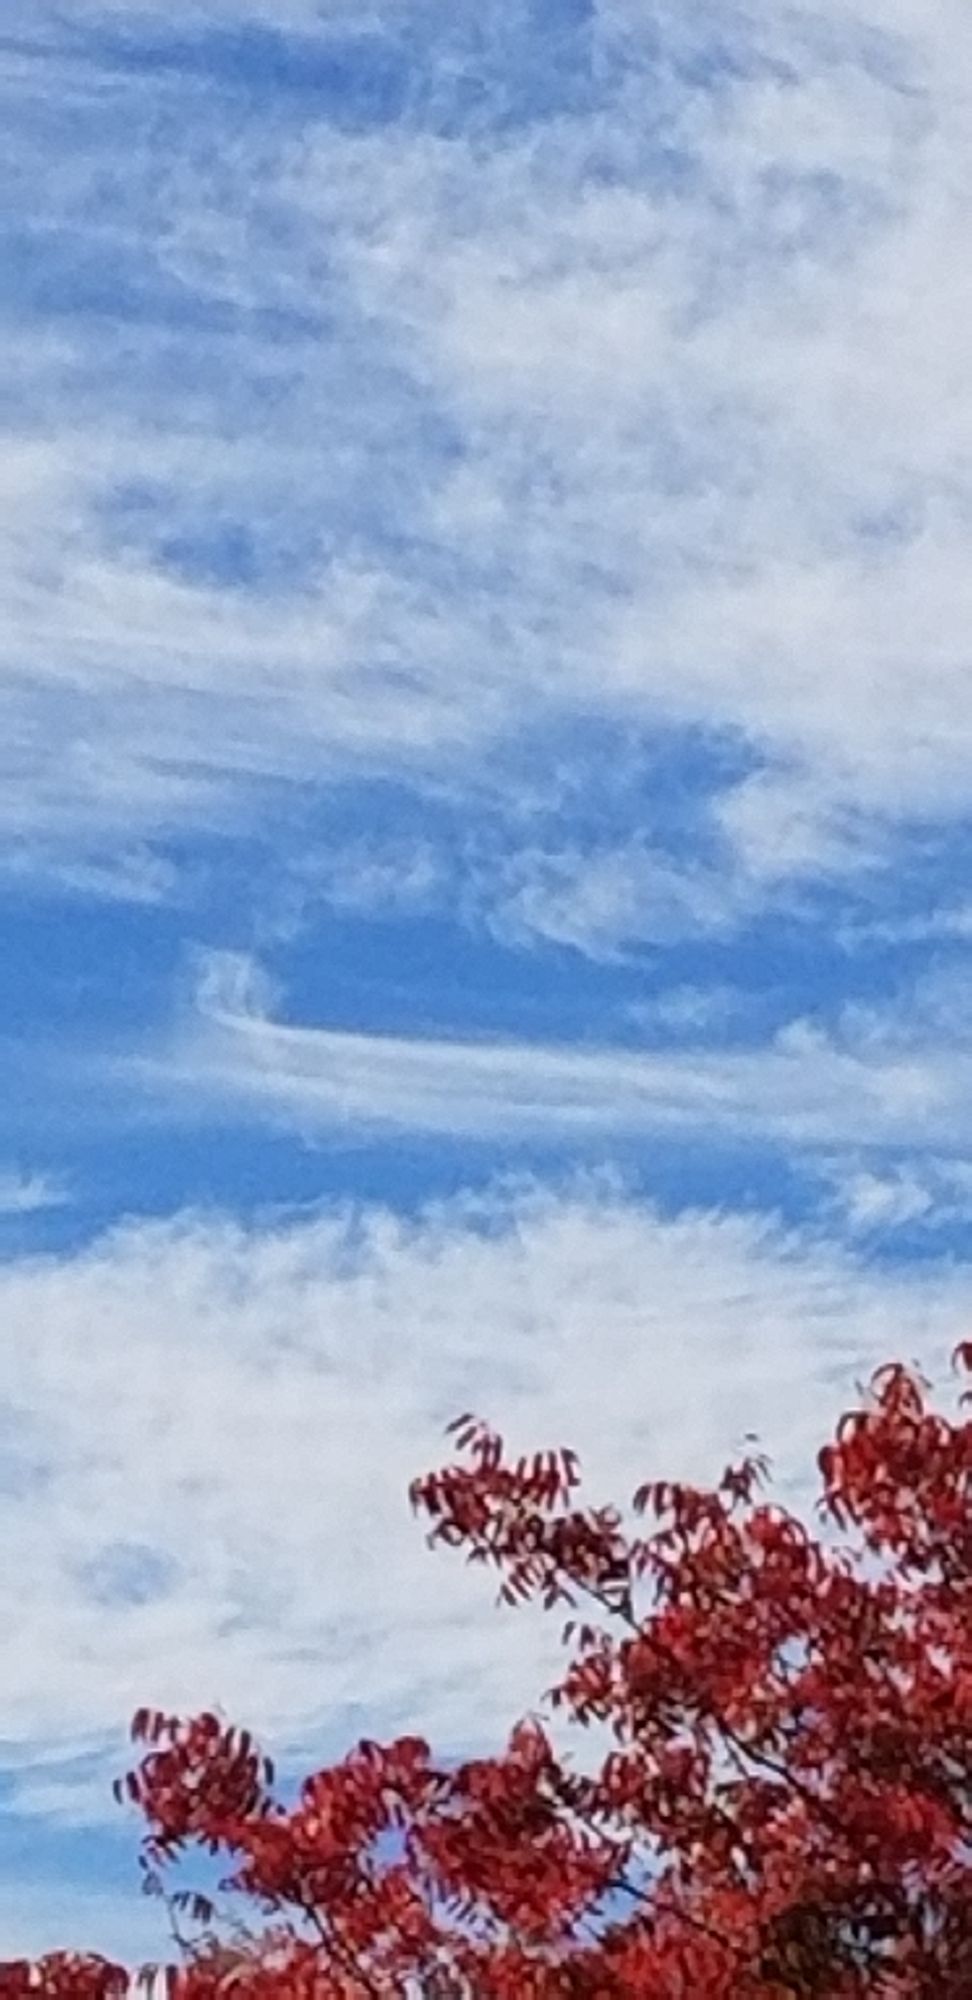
{"x":485,"y":778}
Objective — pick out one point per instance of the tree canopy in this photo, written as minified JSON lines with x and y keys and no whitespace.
{"x":776,"y":1797}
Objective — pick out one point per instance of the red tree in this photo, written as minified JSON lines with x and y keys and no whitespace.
{"x":781,"y":1800}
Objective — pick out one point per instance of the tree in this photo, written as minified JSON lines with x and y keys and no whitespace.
{"x":780,"y":1803}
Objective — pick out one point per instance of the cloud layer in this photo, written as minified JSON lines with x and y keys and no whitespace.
{"x":648,"y":396}
{"x":208,"y":1434}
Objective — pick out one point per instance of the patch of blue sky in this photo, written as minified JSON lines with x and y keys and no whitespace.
{"x":282,"y":538}
{"x":91,"y":1876}
{"x":225,"y":1164}
{"x":355,"y":858}
{"x":127,"y":1575}
{"x":354,"y":81}
{"x":70,"y":959}
{"x":211,"y":541}
{"x":487,"y":73}
{"x":55,"y":276}
{"x":437,"y":973}
{"x":581,"y":775}
{"x":25,"y":1468}
{"x":495,"y":67}
{"x":105,"y":977}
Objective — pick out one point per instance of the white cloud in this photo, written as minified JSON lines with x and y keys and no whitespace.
{"x":947,"y":922}
{"x":872,"y":1080}
{"x":885,"y":1201}
{"x":782,"y":827}
{"x":235,"y":984}
{"x":26,"y":1193}
{"x":693,"y":1013}
{"x":711,"y":394}
{"x":605,"y":899}
{"x":878,"y":1201}
{"x":368,"y":877}
{"x":239,"y":1412}
{"x":136,"y":876}
{"x":719,"y":394}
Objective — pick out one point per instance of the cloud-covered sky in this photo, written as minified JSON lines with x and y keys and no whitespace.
{"x":485,"y":776}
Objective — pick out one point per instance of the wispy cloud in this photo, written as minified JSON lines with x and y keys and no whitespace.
{"x":871,"y":1079}
{"x":26,"y":1193}
{"x":693,"y":1014}
{"x":673,"y":378}
{"x":270,"y":1392}
{"x":137,"y":876}
{"x":366,"y":877}
{"x":919,"y":1194}
{"x":604,"y":900}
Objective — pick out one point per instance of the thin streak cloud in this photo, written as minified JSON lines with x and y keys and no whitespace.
{"x":807,"y":1088}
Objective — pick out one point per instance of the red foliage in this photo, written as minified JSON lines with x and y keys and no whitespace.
{"x":781,"y":1807}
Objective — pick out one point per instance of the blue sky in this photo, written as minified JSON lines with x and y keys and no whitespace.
{"x":486,"y":761}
